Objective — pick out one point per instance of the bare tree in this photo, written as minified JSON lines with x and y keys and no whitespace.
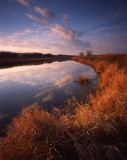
{"x":89,"y":52}
{"x":81,"y":53}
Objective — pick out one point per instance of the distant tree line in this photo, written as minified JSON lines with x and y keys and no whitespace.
{"x":29,"y":55}
{"x":88,"y":53}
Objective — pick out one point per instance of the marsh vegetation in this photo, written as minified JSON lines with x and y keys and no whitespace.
{"x":82,"y":80}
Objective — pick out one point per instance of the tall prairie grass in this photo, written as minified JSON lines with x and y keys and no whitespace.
{"x":93,"y":131}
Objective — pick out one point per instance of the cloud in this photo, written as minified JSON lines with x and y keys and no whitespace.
{"x":66,"y":18}
{"x":45,"y":13}
{"x":42,"y":21}
{"x":66,"y":33}
{"x":72,"y":36}
{"x":24,"y":2}
{"x":26,"y":32}
{"x":19,"y":43}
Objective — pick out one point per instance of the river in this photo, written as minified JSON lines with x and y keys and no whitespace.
{"x":45,"y":85}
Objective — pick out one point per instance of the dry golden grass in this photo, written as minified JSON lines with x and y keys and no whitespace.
{"x":93,"y":131}
{"x":82,"y":80}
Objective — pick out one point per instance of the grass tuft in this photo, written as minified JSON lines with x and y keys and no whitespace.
{"x":82,"y":80}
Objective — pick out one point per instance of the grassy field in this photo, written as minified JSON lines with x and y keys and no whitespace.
{"x":93,"y":131}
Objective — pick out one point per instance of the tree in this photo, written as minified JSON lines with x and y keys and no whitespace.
{"x":89,"y":52}
{"x":81,"y":53}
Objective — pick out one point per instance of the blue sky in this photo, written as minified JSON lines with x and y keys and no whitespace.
{"x":63,"y":26}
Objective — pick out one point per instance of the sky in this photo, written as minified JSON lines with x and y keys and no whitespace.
{"x":63,"y":26}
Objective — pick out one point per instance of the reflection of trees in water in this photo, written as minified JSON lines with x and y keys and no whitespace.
{"x":10,"y":59}
{"x":33,"y":62}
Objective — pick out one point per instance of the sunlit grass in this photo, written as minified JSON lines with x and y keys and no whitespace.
{"x":82,"y":80}
{"x":93,"y":131}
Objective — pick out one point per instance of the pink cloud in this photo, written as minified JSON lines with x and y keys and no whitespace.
{"x":25,"y":32}
{"x":71,"y":36}
{"x":24,"y":2}
{"x":42,"y":21}
{"x":66,"y":33}
{"x":45,"y":13}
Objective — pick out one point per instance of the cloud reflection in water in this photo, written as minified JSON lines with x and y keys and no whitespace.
{"x":46,"y":83}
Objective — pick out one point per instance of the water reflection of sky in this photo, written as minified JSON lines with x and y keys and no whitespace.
{"x":46,"y":84}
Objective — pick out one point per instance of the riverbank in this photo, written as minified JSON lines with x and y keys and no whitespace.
{"x":10,"y":62}
{"x":92,"y":131}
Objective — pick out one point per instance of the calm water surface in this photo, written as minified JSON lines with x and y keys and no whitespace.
{"x":46,"y":85}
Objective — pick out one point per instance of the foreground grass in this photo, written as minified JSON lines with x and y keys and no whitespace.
{"x":93,"y":131}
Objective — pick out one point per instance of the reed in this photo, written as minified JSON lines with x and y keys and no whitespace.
{"x":82,"y":80}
